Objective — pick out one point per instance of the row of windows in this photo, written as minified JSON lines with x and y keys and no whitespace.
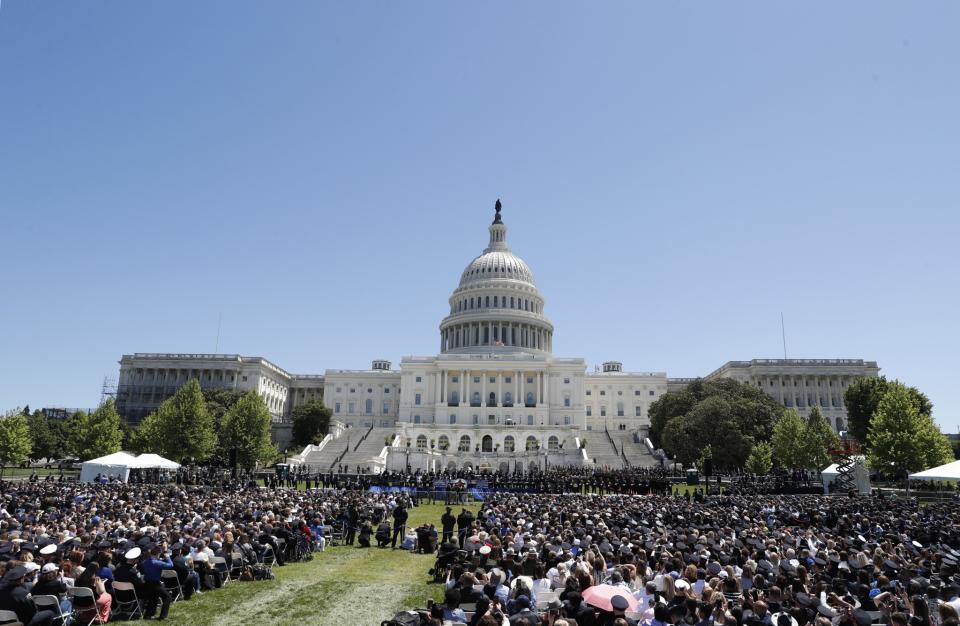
{"x":637,"y":411}
{"x":499,"y":302}
{"x":492,"y":420}
{"x":369,"y":389}
{"x":787,"y":384}
{"x":636,"y":392}
{"x":486,"y":443}
{"x":367,"y":407}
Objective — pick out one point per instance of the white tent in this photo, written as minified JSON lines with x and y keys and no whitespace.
{"x":117,"y":464}
{"x":154,"y":461}
{"x":950,"y":471}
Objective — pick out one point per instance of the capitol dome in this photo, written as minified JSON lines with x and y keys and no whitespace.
{"x":497,"y":305}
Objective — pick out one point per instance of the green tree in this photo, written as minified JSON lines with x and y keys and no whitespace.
{"x":862,"y":398}
{"x":95,"y":434}
{"x":148,"y":436}
{"x":311,"y":421}
{"x":47,"y":437}
{"x":14,"y":440}
{"x":904,"y":440}
{"x":725,"y":414}
{"x":818,"y":440}
{"x":760,"y":461}
{"x":181,"y":428}
{"x":787,"y":441}
{"x":246,"y":429}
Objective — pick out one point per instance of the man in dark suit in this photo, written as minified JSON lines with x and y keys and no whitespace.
{"x":448,"y":521}
{"x":464,"y":521}
{"x":399,"y":524}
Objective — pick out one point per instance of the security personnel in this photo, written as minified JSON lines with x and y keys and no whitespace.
{"x":447,"y":520}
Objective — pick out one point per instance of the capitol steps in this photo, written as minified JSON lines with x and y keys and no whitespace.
{"x":354,"y":446}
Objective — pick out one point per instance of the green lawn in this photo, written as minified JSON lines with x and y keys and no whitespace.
{"x":344,"y":585}
{"x":12,"y":472}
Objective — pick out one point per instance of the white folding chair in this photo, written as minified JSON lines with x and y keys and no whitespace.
{"x":9,"y":617}
{"x":128,"y":604}
{"x":52,"y":603}
{"x":85,"y":606}
{"x":171,"y":582}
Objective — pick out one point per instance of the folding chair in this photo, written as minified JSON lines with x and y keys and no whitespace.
{"x":268,"y":559}
{"x":171,"y":582}
{"x":85,"y":606}
{"x":221,"y":564}
{"x":236,"y":564}
{"x":128,"y":604}
{"x":52,"y":603}
{"x":329,"y":535}
{"x":9,"y":618}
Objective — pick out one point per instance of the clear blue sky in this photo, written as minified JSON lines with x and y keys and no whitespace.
{"x":675,"y":174}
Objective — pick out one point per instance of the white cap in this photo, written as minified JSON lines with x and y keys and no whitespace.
{"x":49,"y":567}
{"x":50,"y":548}
{"x":132,"y":553}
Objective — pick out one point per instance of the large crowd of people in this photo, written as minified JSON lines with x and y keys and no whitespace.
{"x":730,"y":560}
{"x":572,"y":546}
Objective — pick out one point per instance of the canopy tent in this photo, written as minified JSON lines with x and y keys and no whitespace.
{"x":949,"y":471}
{"x":155,"y":461}
{"x":119,"y":464}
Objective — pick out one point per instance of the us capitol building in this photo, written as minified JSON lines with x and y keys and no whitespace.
{"x":494,"y":397}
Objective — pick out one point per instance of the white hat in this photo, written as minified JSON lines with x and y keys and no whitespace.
{"x":485,"y":550}
{"x":31,"y":567}
{"x":132,"y":553}
{"x":49,"y":567}
{"x":50,"y":548}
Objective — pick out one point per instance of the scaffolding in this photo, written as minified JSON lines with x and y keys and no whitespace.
{"x":844,"y":456}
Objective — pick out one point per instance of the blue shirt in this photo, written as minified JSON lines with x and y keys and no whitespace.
{"x":152,"y":568}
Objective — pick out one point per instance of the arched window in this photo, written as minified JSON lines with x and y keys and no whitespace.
{"x":507,"y":399}
{"x":443,"y":442}
{"x":464,"y":444}
{"x":422,"y":442}
{"x":508,"y":444}
{"x":530,"y":401}
{"x":511,"y":302}
{"x":487,"y":302}
{"x":492,"y":399}
{"x":531,"y":443}
{"x":475,"y":399}
{"x":619,"y":409}
{"x":368,"y":406}
{"x":486,"y":444}
{"x":553,"y":443}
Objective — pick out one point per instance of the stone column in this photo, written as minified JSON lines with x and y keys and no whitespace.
{"x":499,"y":402}
{"x":463,"y":377}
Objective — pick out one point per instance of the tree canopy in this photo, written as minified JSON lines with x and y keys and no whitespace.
{"x":91,"y":435}
{"x":14,"y":439}
{"x":786,"y":444}
{"x":729,"y":416}
{"x":246,"y":429}
{"x":862,"y":398}
{"x":760,"y":461}
{"x":818,"y":439}
{"x":311,"y":421}
{"x":181,"y":429}
{"x":48,"y":437}
{"x":902,"y":438}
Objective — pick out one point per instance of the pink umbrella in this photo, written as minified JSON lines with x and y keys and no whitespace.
{"x":601,"y":596}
